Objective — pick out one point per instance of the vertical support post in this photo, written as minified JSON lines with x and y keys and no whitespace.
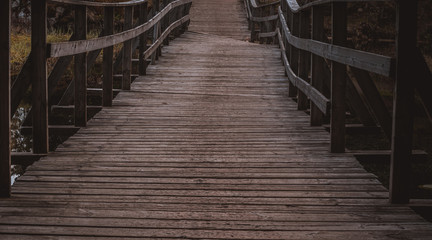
{"x":127,"y":50}
{"x":252,"y":23}
{"x":165,"y":23}
{"x":80,"y":69}
{"x":261,"y":25}
{"x":143,"y":41}
{"x":5,"y":99}
{"x":39,"y":76}
{"x":155,"y":56}
{"x":317,"y":81}
{"x":294,"y":53}
{"x":284,"y":8}
{"x":108,"y":54}
{"x":158,"y":28}
{"x":186,"y":10}
{"x":403,"y":101}
{"x":304,"y":58}
{"x":338,"y":80}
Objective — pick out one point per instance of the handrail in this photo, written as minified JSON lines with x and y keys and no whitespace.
{"x":266,"y":23}
{"x":164,"y":35}
{"x":255,"y":5}
{"x":81,"y":46}
{"x":295,"y":7}
{"x":101,"y":4}
{"x":363,"y":60}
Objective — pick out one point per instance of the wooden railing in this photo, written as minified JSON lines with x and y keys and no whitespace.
{"x":312,"y":64}
{"x":262,"y":20}
{"x":153,"y":25}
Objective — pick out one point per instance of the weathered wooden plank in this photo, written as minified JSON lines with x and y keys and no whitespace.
{"x":5,"y":99}
{"x":39,"y":77}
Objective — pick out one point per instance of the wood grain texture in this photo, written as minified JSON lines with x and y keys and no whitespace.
{"x":108,"y":55}
{"x":207,"y":145}
{"x":338,"y":80}
{"x":403,"y":102}
{"x":5,"y":99}
{"x":39,"y":77}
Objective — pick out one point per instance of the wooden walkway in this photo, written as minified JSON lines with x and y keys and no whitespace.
{"x":206,"y":146}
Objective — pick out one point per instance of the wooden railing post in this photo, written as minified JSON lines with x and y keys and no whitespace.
{"x":284,"y":8}
{"x":317,"y":81}
{"x":338,"y":80}
{"x":165,"y":23}
{"x":158,"y":28}
{"x":143,"y":40}
{"x":39,"y":76}
{"x":252,"y":23}
{"x":403,"y":100}
{"x":108,"y":54}
{"x":5,"y":99}
{"x":155,"y":9}
{"x":304,"y":58}
{"x":294,"y":52}
{"x":127,"y":50}
{"x":80,"y":69}
{"x":186,"y":11}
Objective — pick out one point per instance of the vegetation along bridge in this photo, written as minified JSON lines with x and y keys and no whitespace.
{"x":207,"y":143}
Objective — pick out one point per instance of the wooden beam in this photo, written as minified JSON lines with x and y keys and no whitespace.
{"x":39,"y":76}
{"x":418,"y":156}
{"x":91,"y":110}
{"x":374,"y":98}
{"x":403,"y":100}
{"x":142,"y":68}
{"x":56,"y":130}
{"x":354,"y":129}
{"x":294,"y":52}
{"x":80,"y":69}
{"x":423,"y":82}
{"x":338,"y":82}
{"x":317,"y":81}
{"x":165,"y":22}
{"x":304,"y":58}
{"x":108,"y":55}
{"x":25,"y":158}
{"x":5,"y":100}
{"x":127,"y":50}
{"x":357,"y":103}
{"x":370,"y":62}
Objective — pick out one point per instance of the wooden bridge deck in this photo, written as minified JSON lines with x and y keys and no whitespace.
{"x":206,"y":146}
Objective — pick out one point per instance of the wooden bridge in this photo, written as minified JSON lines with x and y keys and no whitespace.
{"x":207,"y":143}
